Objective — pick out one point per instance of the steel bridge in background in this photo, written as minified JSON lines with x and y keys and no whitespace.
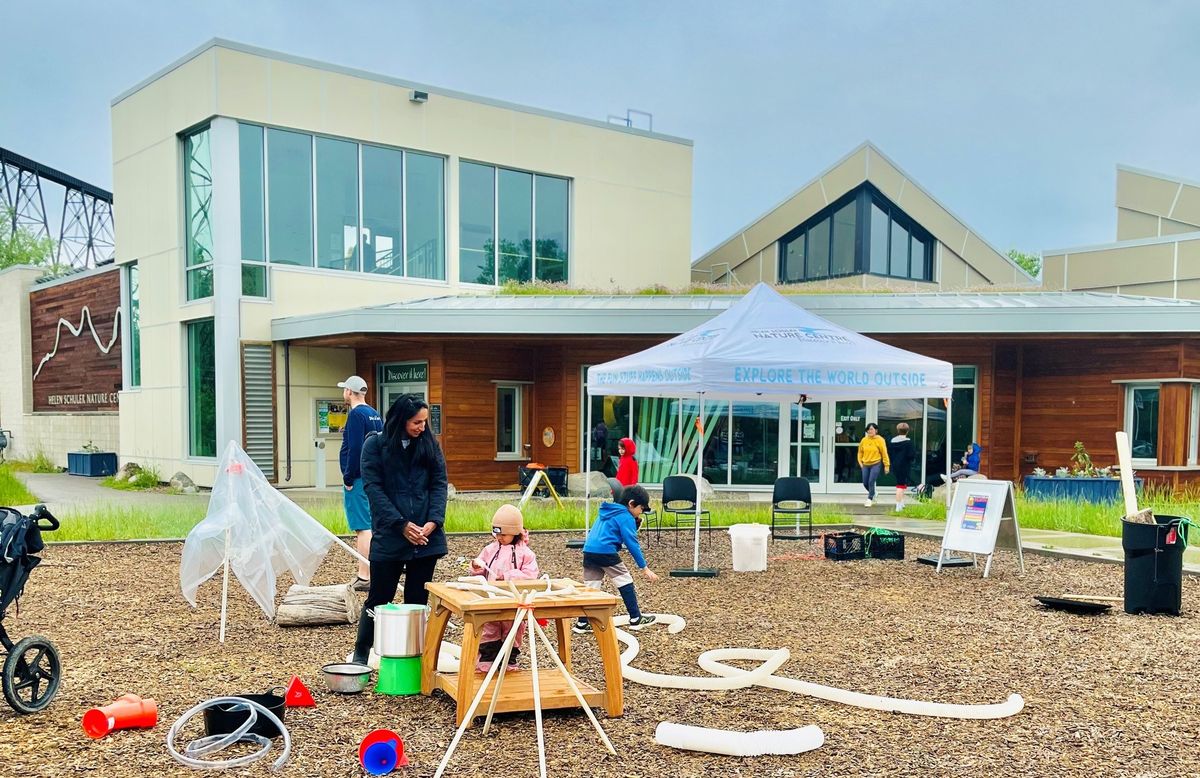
{"x":84,"y":237}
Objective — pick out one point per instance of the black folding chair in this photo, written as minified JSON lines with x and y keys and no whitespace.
{"x":791,"y":502}
{"x":679,"y":502}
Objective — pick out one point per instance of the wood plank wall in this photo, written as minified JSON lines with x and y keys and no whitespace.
{"x":79,"y":376}
{"x":1033,"y":394}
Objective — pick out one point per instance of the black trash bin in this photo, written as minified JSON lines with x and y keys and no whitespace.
{"x":1153,"y":565}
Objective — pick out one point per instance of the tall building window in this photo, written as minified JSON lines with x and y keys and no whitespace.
{"x":377,"y":209}
{"x":197,"y":198}
{"x":253,"y":204}
{"x":289,"y":198}
{"x":476,"y":223}
{"x":202,"y":389}
{"x":861,"y":233}
{"x":135,"y":325}
{"x":1141,"y":422}
{"x":383,"y":215}
{"x":424,"y":218}
{"x":550,"y":219}
{"x":513,"y":225}
{"x":337,"y":204}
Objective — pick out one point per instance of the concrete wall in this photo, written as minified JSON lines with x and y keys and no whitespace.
{"x":962,"y":258}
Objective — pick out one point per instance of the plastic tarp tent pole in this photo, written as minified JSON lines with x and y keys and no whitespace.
{"x":699,"y":480}
{"x":587,"y":470}
{"x":225,"y":588}
{"x":949,"y":450}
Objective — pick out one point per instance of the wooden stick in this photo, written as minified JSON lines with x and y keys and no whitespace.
{"x":1125,"y":458}
{"x":537,"y":702}
{"x":470,"y":711}
{"x":503,"y":655}
{"x":1096,"y":597}
{"x":575,"y":688}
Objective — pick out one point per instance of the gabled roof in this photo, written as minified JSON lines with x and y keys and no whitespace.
{"x":992,"y":312}
{"x":866,"y":163}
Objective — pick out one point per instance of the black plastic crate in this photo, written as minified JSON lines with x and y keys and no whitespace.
{"x":844,"y":546}
{"x":884,"y":544}
{"x":557,"y":476}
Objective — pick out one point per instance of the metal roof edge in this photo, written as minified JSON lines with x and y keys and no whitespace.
{"x":1161,"y":176}
{"x":1124,"y":244}
{"x":259,"y":51}
{"x":1015,"y":320}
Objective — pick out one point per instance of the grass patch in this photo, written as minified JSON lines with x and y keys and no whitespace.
{"x":40,"y":463}
{"x":1068,"y":516}
{"x":12,"y":491}
{"x":175,"y":521}
{"x":144,"y":480}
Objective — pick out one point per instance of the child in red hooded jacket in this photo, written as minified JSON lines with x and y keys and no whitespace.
{"x":507,"y":558}
{"x":627,"y":467}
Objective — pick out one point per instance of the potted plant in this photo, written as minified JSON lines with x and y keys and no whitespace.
{"x":1081,"y":481}
{"x":91,"y":461}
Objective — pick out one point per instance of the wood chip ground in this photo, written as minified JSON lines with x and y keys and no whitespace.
{"x":1113,"y":695}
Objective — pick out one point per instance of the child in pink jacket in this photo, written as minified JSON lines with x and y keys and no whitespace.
{"x":507,"y":558}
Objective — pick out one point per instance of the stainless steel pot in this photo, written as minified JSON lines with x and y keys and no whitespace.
{"x":400,"y":629}
{"x":346,"y":677}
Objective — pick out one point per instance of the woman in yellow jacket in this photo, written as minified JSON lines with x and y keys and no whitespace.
{"x":873,"y":459}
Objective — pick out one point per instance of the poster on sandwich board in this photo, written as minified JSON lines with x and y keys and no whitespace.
{"x":982,"y":515}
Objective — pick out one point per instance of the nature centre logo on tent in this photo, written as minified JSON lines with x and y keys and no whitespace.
{"x":812,"y":334}
{"x":703,"y":336}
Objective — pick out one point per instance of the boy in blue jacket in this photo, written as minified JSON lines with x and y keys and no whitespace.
{"x":617,"y":525}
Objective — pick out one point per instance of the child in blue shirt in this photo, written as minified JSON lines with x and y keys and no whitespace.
{"x":617,"y":525}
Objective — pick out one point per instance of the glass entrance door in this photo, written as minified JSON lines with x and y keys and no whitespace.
{"x":808,"y":444}
{"x":847,"y":428}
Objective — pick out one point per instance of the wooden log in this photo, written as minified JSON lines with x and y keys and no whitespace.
{"x":310,"y":606}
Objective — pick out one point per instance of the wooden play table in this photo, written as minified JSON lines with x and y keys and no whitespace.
{"x":475,"y":610}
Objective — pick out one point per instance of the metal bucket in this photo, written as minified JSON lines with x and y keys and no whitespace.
{"x":400,"y":629}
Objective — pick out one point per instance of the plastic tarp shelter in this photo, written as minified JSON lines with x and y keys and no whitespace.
{"x":253,"y":529}
{"x":765,"y":347}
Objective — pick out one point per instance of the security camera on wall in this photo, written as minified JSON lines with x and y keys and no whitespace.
{"x":418,"y":96}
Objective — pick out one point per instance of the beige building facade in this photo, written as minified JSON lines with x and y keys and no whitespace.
{"x":862,"y":224}
{"x":254,"y":186}
{"x":1157,"y":251}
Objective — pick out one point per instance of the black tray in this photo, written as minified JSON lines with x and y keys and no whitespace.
{"x":1082,"y":607}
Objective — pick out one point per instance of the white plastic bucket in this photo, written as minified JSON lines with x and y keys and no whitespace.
{"x":749,"y":547}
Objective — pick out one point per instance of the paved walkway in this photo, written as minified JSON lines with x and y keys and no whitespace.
{"x":1095,"y":548}
{"x":63,"y":493}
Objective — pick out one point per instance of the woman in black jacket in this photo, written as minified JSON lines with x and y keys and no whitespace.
{"x":404,"y":474}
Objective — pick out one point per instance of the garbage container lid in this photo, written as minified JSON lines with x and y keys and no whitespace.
{"x":750,"y":529}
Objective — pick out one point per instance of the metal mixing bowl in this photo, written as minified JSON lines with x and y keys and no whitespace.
{"x":346,"y":677}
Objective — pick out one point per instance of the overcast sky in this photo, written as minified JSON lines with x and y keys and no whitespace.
{"x":1013,"y":114}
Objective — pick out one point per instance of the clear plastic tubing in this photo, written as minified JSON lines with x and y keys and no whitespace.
{"x":214,"y":743}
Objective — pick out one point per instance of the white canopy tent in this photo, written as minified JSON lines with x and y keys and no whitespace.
{"x":765,"y":347}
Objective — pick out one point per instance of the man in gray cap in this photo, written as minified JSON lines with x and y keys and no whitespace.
{"x":361,"y":421}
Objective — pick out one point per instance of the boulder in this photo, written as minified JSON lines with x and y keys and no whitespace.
{"x":129,"y":471}
{"x":182,"y":482}
{"x":593,"y":482}
{"x":191,"y":490}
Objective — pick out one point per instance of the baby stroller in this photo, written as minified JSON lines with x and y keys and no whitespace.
{"x":32,"y":669}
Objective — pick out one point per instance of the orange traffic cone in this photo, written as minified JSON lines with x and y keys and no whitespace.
{"x":128,"y":711}
{"x":298,"y":695}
